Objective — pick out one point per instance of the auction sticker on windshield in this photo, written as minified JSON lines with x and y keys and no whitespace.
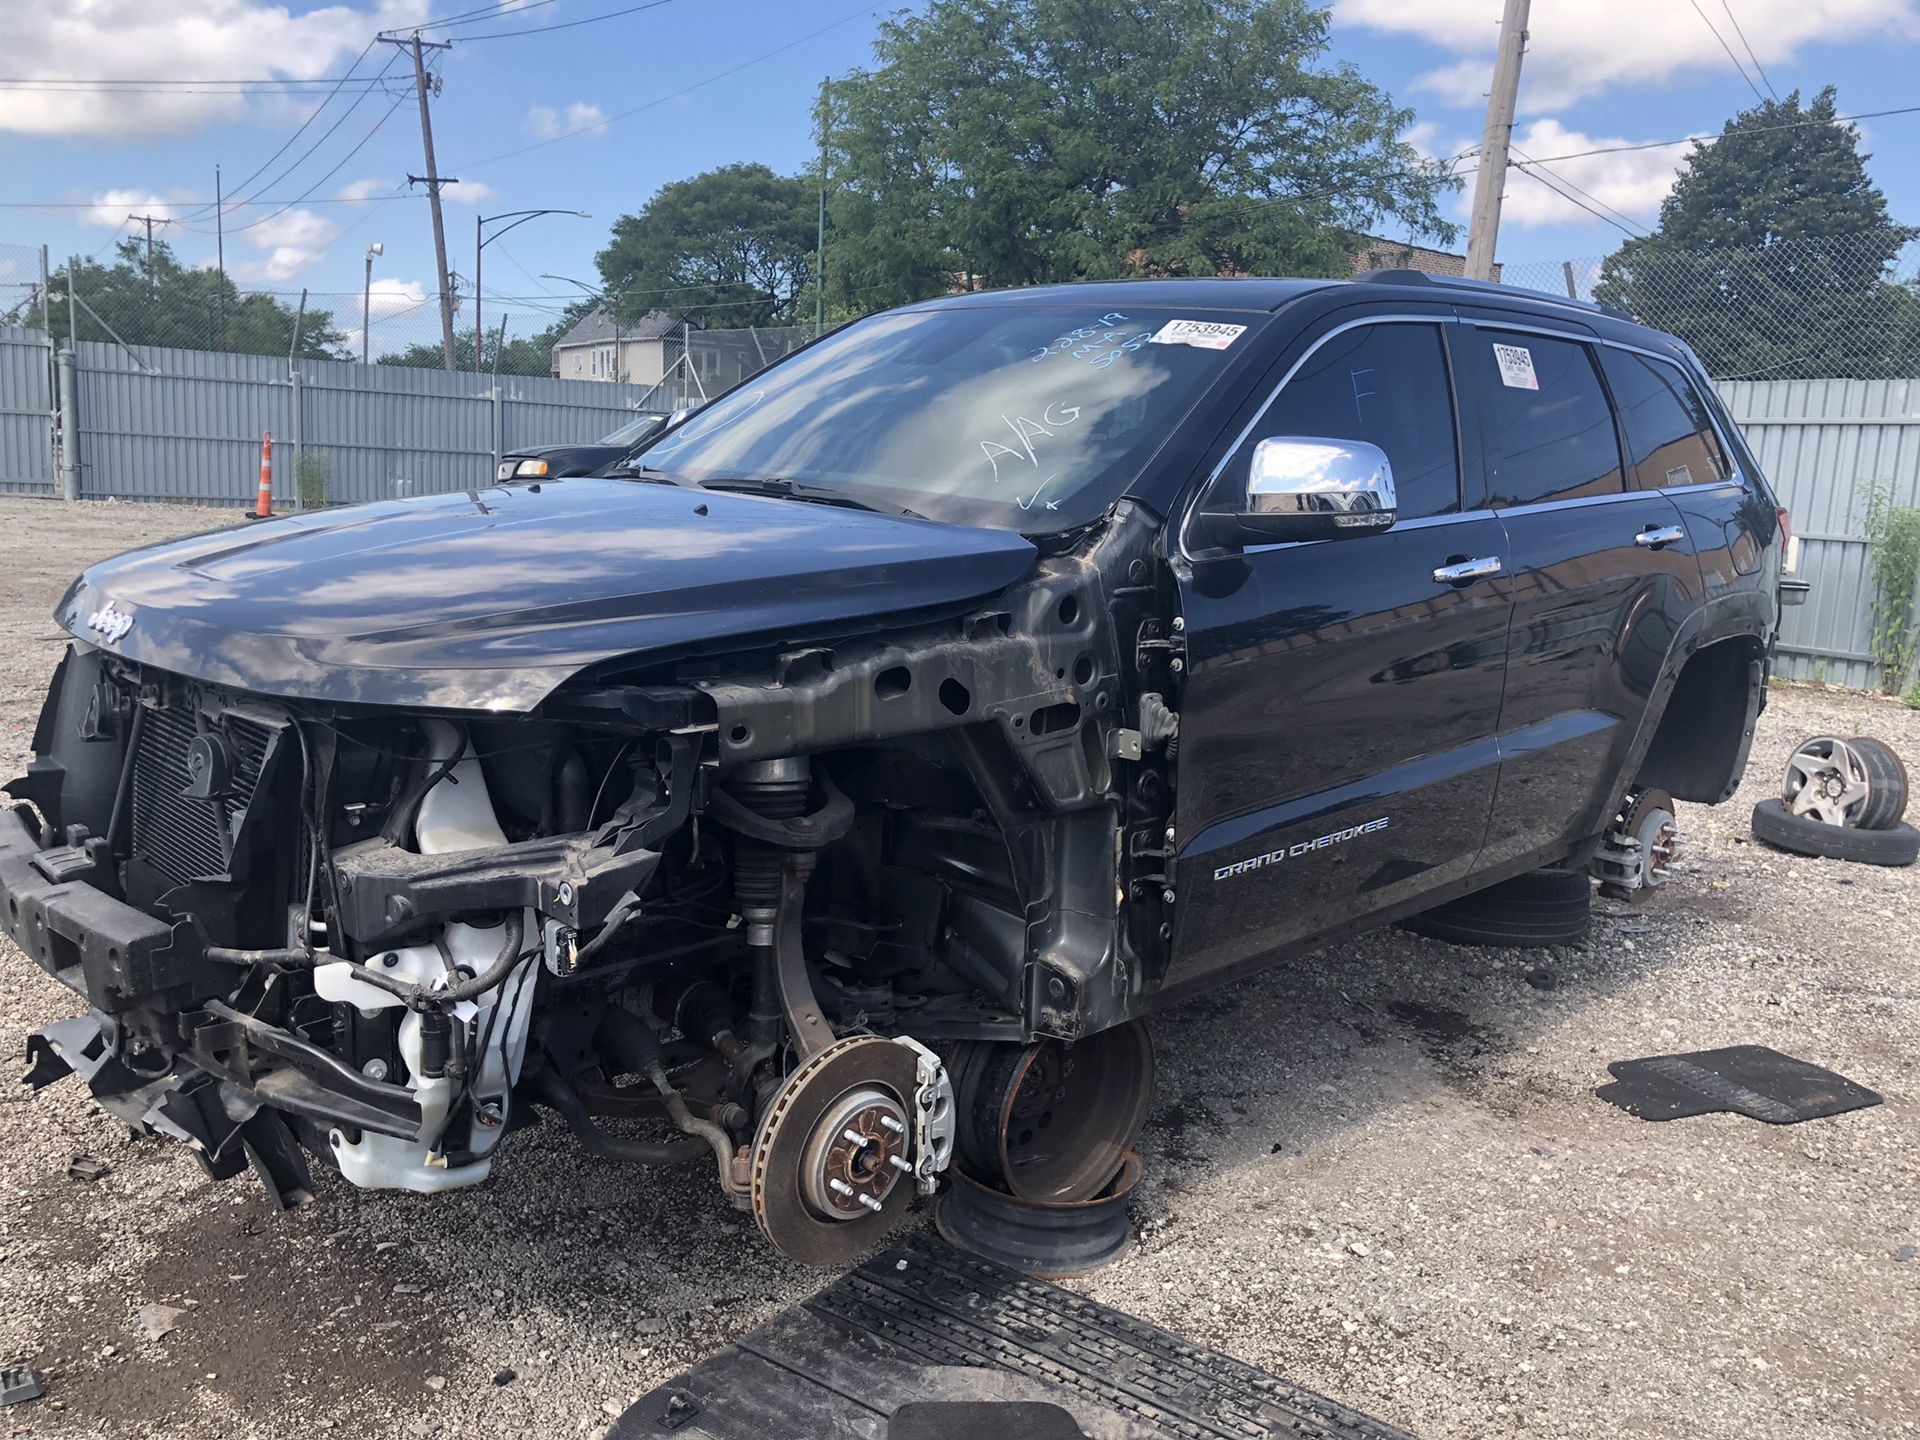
{"x":1201,"y":334}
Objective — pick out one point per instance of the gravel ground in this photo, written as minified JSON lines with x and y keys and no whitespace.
{"x":1380,"y":1171}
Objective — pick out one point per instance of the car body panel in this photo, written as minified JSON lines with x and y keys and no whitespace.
{"x":489,"y":599}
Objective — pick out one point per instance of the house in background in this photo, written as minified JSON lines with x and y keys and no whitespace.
{"x":638,"y":352}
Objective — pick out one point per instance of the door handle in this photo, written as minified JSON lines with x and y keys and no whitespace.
{"x":1463,"y":571}
{"x":1654,"y":536}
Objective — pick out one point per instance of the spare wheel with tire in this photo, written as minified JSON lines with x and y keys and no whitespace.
{"x":1774,"y":823}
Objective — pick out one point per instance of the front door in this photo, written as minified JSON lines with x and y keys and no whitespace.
{"x":1603,"y":575}
{"x":1337,"y":730}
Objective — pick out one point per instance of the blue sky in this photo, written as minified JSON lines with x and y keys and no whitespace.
{"x":1599,"y":73}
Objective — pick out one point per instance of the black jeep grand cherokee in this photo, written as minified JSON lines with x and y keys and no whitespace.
{"x":843,"y":788}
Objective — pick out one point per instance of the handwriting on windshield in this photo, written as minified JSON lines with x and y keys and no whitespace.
{"x":1076,"y":341}
{"x":1034,"y":499}
{"x":1026,"y":432}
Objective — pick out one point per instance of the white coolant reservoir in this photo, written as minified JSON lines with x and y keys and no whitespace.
{"x":456,"y":816}
{"x":498,"y":1018}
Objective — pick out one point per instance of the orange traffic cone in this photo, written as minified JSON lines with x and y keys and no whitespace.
{"x":263,"y":504}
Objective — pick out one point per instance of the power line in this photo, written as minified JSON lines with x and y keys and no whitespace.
{"x":163,"y":82}
{"x":196,"y":200}
{"x":1709,"y":139}
{"x":301,"y":200}
{"x":1728,"y":48}
{"x":485,"y":12}
{"x":314,"y":115}
{"x":687,"y":90}
{"x":1549,"y":177}
{"x":1746,"y":45}
{"x":326,"y":135}
{"x":563,"y":25}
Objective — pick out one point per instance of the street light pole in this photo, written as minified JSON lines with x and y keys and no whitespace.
{"x":480,"y":242}
{"x":366,"y":297}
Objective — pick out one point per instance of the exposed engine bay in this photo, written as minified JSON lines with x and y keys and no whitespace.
{"x":815,"y":915}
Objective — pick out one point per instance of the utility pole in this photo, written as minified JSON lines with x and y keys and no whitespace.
{"x":820,"y":236}
{"x":220,"y":229}
{"x":150,"y":221}
{"x":1490,"y":184}
{"x":433,"y":181}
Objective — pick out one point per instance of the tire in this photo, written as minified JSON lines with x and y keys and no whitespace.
{"x":1548,"y":907}
{"x":1887,"y":800}
{"x":1773,"y":823}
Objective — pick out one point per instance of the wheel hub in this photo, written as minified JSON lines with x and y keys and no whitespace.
{"x":825,"y":1185}
{"x":855,"y":1155}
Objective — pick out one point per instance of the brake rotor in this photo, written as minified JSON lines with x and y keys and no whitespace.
{"x":1650,"y":820}
{"x":825,"y":1184}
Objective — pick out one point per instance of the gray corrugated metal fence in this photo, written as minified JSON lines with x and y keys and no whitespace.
{"x":1823,"y":445}
{"x":26,"y":412}
{"x":162,"y":424}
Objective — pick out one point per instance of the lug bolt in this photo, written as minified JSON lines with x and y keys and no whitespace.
{"x":855,"y":1136}
{"x":871,"y":1203}
{"x":839,"y":1186}
{"x":893,"y":1125}
{"x":902,"y":1166}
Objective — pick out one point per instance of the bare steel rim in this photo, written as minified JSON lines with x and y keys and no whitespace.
{"x":1054,"y":1121}
{"x":1827,"y":780}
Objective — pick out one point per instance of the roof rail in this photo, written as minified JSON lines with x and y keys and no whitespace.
{"x":1460,"y":282}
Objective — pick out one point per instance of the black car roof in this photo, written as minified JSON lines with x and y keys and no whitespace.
{"x":1261,"y":294}
{"x":1201,"y":293}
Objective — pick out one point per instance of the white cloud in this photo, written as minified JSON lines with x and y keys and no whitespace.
{"x":198,"y":39}
{"x":1632,"y":182}
{"x":1590,"y":48}
{"x":371,"y":188}
{"x":546,"y":123}
{"x":466,"y":192}
{"x":389,"y":300}
{"x":110,"y":208}
{"x":292,"y":242}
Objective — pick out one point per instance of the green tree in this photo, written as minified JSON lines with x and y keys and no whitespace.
{"x":729,"y":247}
{"x":163,"y":302}
{"x":1013,"y":142}
{"x":522,"y":355}
{"x":1773,"y":252}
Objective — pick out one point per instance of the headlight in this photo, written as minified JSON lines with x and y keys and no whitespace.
{"x":521,"y":470}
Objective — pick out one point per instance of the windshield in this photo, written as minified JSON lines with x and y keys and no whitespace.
{"x":633,"y":431}
{"x":1015,"y":416}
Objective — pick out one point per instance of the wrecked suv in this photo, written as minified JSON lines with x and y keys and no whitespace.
{"x":835,"y":796}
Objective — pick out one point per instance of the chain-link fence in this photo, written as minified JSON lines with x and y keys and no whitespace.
{"x":1838,"y":307}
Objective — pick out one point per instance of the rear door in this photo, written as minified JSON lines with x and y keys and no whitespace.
{"x":1672,"y":447}
{"x":1337,"y":734}
{"x":1602,"y":576}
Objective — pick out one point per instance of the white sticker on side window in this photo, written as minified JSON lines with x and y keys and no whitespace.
{"x":1516,"y":367}
{"x":1201,"y":334}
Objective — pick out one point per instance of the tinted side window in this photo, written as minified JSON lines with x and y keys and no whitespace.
{"x":1669,"y":434}
{"x":1386,"y":384}
{"x":1549,"y":429}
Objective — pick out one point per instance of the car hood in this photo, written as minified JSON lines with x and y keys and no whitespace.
{"x":489,"y":599}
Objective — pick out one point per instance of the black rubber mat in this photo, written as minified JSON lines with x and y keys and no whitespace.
{"x":1745,"y":1079}
{"x":926,"y":1343}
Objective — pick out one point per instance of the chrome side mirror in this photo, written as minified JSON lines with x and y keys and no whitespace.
{"x":1303,"y":488}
